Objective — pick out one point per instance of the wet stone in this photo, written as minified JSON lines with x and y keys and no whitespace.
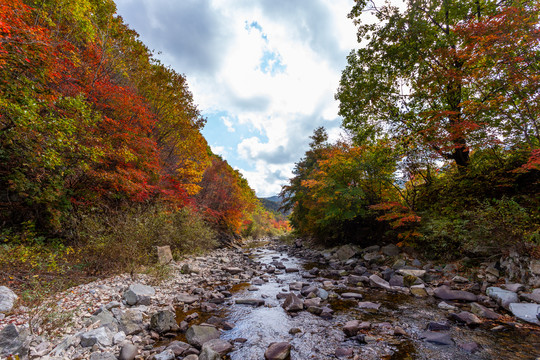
{"x":293,"y":303}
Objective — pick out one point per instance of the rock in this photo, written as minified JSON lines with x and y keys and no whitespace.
{"x":368,"y":305}
{"x":129,"y":321}
{"x":163,"y":321}
{"x":105,"y":318}
{"x":450,"y":268}
{"x":197,"y":335}
{"x":470,"y":347}
{"x":460,"y":279}
{"x":345,"y":252}
{"x":484,"y":312}
{"x":372,"y":248}
{"x":526,"y":312}
{"x":191,"y":357}
{"x":233,"y":270}
{"x":293,"y":303}
{"x":323,"y":294}
{"x":179,"y":347}
{"x":102,"y":356}
{"x":503,"y":297}
{"x":186,"y":298}
{"x":534,"y":266}
{"x":315,"y":310}
{"x":252,"y":302}
{"x":208,"y":354}
{"x":514,"y":287}
{"x":100,"y":336}
{"x":13,"y":341}
{"x":278,"y":351}
{"x":532,"y":297}
{"x":437,"y":338}
{"x":165,"y":355}
{"x":435,"y":326}
{"x":164,"y":254}
{"x":412,"y":272}
{"x":377,"y":281}
{"x":128,"y":352}
{"x":221,"y":347}
{"x":445,"y":306}
{"x":390,"y":250}
{"x":344,"y":352}
{"x":119,"y":337}
{"x":419,"y":290}
{"x":312,"y":302}
{"x":396,"y":280}
{"x":372,"y":257}
{"x":466,"y":318}
{"x":351,"y":295}
{"x":445,"y":293}
{"x":139,"y":294}
{"x":7,"y":299}
{"x":351,"y":328}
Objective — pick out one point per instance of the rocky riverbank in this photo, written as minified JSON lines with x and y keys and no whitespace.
{"x":283,"y":301}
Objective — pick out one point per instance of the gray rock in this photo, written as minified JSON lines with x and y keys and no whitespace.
{"x":534,"y":266}
{"x":503,"y":297}
{"x":446,"y":306}
{"x":377,"y":281}
{"x":460,"y":279}
{"x":100,"y":336}
{"x":197,"y":335}
{"x":396,"y":280}
{"x":351,"y":328}
{"x":233,"y":270}
{"x":368,"y":305}
{"x":221,"y":347}
{"x":102,"y":356}
{"x":164,"y":254}
{"x":209,"y":354}
{"x":412,"y":272}
{"x":484,"y":312}
{"x":323,"y":294}
{"x":139,"y":294}
{"x":345,"y":252}
{"x":344,"y":352}
{"x":191,"y":357}
{"x":179,"y":347}
{"x":351,"y":295}
{"x":252,"y":302}
{"x":119,"y":337}
{"x":128,"y":352}
{"x":466,"y":318}
{"x":372,"y":248}
{"x":532,"y":297}
{"x":165,"y":355}
{"x":163,"y":321}
{"x":526,"y":312}
{"x":7,"y":299}
{"x":105,"y":318}
{"x":13,"y":341}
{"x":129,"y":321}
{"x":437,"y":338}
{"x":514,"y":287}
{"x":278,"y":351}
{"x":293,"y":303}
{"x":445,"y":293}
{"x":390,"y":250}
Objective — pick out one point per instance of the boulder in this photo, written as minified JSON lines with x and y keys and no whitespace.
{"x":13,"y":341}
{"x":100,"y":336}
{"x":445,"y":293}
{"x":130,"y":321}
{"x":163,"y":321}
{"x":164,"y":254}
{"x":7,"y":299}
{"x":503,"y":297}
{"x":105,"y":318}
{"x":345,"y":252}
{"x":197,"y":335}
{"x":278,"y":351}
{"x":293,"y":303}
{"x":526,"y":312}
{"x":139,"y":294}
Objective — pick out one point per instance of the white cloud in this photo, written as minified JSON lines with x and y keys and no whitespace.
{"x":228,"y":122}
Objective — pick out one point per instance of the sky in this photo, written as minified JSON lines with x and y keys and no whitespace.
{"x":262,"y":72}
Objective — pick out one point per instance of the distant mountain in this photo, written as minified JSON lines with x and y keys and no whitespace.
{"x":272,"y":203}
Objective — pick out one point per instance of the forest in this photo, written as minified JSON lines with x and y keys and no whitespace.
{"x":441,"y":105}
{"x":101,"y":152}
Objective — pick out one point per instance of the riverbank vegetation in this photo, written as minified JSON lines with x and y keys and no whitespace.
{"x":101,"y":152}
{"x":441,"y":106}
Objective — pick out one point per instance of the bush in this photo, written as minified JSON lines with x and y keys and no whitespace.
{"x":127,"y":239}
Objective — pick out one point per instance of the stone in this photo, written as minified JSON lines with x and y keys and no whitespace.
{"x":470,"y":347}
{"x":100,"y":336}
{"x":412,"y":272}
{"x":119,"y":337}
{"x":252,"y":302}
{"x":219,"y":346}
{"x":165,"y":355}
{"x":466,"y":318}
{"x":460,"y":279}
{"x":7,"y":299}
{"x":278,"y":351}
{"x":368,"y":305}
{"x":534,"y":266}
{"x":163,"y":321}
{"x":345,"y":252}
{"x":105,"y":318}
{"x":128,"y":352}
{"x":164,"y":254}
{"x":396,"y":280}
{"x":312,"y":302}
{"x":445,"y":293}
{"x":186,"y":298}
{"x":197,"y":335}
{"x":13,"y":341}
{"x":484,"y":312}
{"x":323,"y":294}
{"x":372,"y":248}
{"x":233,"y":270}
{"x":344,"y":352}
{"x":351,"y":328}
{"x":191,"y":357}
{"x":129,"y":321}
{"x":102,"y":356}
{"x":139,"y":294}
{"x":293,"y":303}
{"x":377,"y":281}
{"x":532,"y":297}
{"x":315,"y":310}
{"x":526,"y":312}
{"x":446,"y":306}
{"x":351,"y":295}
{"x":209,"y":354}
{"x":179,"y":347}
{"x":514,"y":287}
{"x":437,"y":338}
{"x":419,"y":290}
{"x":435,"y":326}
{"x":390,"y":250}
{"x":502,"y":297}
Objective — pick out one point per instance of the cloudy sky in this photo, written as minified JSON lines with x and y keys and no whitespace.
{"x":263,"y":72}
